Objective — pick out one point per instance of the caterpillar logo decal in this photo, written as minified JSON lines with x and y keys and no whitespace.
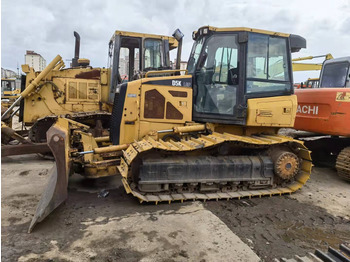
{"x":343,"y":97}
{"x":305,"y":109}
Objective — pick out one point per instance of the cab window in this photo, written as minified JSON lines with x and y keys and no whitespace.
{"x":217,"y":75}
{"x":152,"y":54}
{"x":195,"y":52}
{"x":335,"y":75}
{"x":267,"y":64}
{"x":7,"y":85}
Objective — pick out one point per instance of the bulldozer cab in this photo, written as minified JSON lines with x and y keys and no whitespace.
{"x":335,"y":73}
{"x":7,"y":84}
{"x":9,"y":87}
{"x":131,"y":55}
{"x":231,"y":65}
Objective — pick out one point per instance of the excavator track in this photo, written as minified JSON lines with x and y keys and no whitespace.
{"x":343,"y":164}
{"x":205,"y":142}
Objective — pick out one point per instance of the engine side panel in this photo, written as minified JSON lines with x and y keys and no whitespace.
{"x":150,"y":105}
{"x":276,"y":111}
{"x":66,"y":92}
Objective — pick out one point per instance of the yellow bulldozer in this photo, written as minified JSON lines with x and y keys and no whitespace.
{"x":83,"y":93}
{"x":209,"y":134}
{"x":10,"y":88}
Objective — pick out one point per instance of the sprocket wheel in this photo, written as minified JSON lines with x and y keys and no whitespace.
{"x":287,"y":165}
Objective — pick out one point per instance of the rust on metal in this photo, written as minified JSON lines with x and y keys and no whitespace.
{"x":56,"y":191}
{"x":287,"y":165}
{"x":10,"y":133}
{"x":23,"y":149}
{"x":93,"y":74}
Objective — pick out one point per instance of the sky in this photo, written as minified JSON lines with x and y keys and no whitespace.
{"x":47,"y":26}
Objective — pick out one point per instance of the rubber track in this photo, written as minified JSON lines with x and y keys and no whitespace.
{"x":206,"y":141}
{"x":343,"y":164}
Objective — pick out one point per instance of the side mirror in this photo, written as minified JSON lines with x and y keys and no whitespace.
{"x":296,"y":43}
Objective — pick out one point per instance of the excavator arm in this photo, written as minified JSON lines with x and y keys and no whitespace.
{"x":309,"y":66}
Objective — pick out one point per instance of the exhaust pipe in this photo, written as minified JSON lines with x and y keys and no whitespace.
{"x":77,"y":50}
{"x":178,"y":36}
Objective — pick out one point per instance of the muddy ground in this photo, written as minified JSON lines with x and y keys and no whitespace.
{"x":118,"y":228}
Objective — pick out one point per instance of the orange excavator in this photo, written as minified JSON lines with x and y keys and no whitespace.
{"x":325,"y":112}
{"x":297,"y":66}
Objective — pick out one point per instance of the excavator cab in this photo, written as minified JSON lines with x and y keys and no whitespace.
{"x":335,"y":73}
{"x":230,"y":66}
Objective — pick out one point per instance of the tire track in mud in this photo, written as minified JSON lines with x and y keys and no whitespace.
{"x":280,"y":226}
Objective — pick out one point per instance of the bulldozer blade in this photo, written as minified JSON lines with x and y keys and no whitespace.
{"x":54,"y":195}
{"x":56,"y":191}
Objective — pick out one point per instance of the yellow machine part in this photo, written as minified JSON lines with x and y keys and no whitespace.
{"x":309,"y":66}
{"x":148,"y":109}
{"x":64,"y":93}
{"x":161,"y":106}
{"x":154,"y":102}
{"x":207,"y":141}
{"x":75,"y":90}
{"x":277,"y":111}
{"x":173,"y":43}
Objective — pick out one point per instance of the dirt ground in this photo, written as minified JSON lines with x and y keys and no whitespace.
{"x":118,"y":228}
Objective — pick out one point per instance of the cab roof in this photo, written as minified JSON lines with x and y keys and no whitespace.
{"x":247,"y":29}
{"x":337,"y":60}
{"x":296,"y":42}
{"x":172,"y":41}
